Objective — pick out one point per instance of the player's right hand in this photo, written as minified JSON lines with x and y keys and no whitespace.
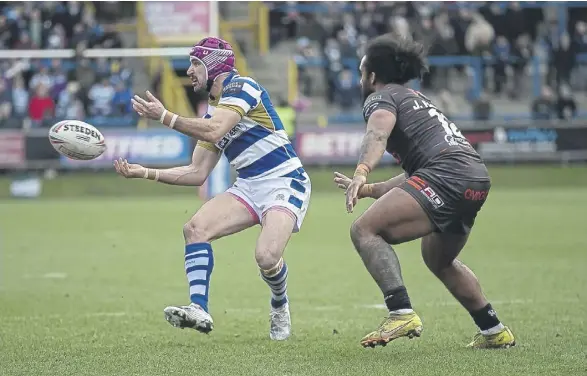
{"x":129,"y":170}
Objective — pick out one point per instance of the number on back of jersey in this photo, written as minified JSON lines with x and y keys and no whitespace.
{"x":453,"y":137}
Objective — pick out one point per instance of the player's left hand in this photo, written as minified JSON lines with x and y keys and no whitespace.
{"x":151,"y":108}
{"x":352,"y":192}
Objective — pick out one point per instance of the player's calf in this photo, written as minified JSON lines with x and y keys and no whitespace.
{"x":439,"y":251}
{"x":278,"y":225}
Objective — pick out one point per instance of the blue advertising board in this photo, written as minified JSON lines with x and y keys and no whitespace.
{"x":149,"y":147}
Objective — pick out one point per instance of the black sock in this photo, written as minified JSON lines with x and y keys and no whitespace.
{"x":485,"y":318}
{"x":397,"y":299}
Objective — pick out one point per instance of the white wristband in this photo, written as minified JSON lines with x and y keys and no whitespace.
{"x":173,"y":120}
{"x":146,"y":174}
{"x":163,"y":117}
{"x":156,"y":175}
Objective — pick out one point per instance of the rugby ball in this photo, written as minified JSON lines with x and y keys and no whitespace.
{"x":77,"y":140}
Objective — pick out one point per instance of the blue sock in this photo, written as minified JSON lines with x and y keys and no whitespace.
{"x":277,"y":282}
{"x":199,"y":262}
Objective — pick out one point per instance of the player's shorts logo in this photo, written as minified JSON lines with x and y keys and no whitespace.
{"x":426,"y":190}
{"x":473,"y":195}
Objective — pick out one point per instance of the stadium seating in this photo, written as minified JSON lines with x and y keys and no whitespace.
{"x":499,"y":52}
{"x":39,"y":92}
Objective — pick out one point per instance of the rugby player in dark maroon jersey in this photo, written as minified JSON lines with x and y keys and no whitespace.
{"x":437,"y":199}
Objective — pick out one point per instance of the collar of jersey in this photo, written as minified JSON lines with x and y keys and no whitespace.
{"x":229,"y":78}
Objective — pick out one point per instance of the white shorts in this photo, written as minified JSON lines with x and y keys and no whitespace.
{"x":289,"y":193}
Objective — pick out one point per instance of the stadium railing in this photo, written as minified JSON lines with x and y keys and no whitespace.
{"x":475,"y":63}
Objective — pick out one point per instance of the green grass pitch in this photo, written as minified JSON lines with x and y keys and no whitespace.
{"x":84,"y":280}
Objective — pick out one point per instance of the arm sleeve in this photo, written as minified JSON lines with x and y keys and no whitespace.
{"x":208,"y":146}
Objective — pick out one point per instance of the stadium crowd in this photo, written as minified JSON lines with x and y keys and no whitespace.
{"x":37,"y":92}
{"x":506,"y":36}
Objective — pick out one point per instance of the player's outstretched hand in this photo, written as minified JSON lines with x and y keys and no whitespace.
{"x":352,"y":192}
{"x":152,"y":108}
{"x":341,"y":180}
{"x":129,"y":170}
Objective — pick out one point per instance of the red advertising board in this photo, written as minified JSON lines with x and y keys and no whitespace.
{"x":12,"y":148}
{"x":181,"y":22}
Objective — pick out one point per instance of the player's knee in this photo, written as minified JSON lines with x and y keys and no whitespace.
{"x":267,"y":257}
{"x":196,"y":231}
{"x":359,"y":232}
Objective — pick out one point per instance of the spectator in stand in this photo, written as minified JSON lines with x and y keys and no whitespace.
{"x":43,"y":77}
{"x":444,"y":43}
{"x":20,"y":97}
{"x":521,"y":55}
{"x":35,"y":27}
{"x":332,"y":68}
{"x":6,"y":33}
{"x":69,"y":106}
{"x":543,"y":106}
{"x":121,"y":99}
{"x":85,"y":74}
{"x":501,"y":52}
{"x":479,"y":36}
{"x":59,"y":79}
{"x":303,"y":55}
{"x":24,"y":42}
{"x":580,"y":37}
{"x":80,"y":34}
{"x":57,"y":38}
{"x":101,"y":95}
{"x":566,"y":107}
{"x":5,"y":100}
{"x":41,"y":106}
{"x":563,"y":60}
{"x":120,"y":72}
{"x":347,"y":89}
{"x":102,"y":66}
{"x":579,"y":45}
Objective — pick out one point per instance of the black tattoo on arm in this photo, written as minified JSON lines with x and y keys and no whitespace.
{"x":379,"y":128}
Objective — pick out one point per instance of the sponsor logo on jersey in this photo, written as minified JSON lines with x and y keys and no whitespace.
{"x":233,"y":87}
{"x":232,"y":134}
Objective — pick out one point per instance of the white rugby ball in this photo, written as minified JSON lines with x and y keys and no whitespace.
{"x":77,"y":140}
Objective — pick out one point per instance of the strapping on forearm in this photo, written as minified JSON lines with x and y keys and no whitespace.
{"x":362,"y":170}
{"x":366,"y":191}
{"x":151,"y":174}
{"x":168,"y":119}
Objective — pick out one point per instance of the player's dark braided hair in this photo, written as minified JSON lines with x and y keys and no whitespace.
{"x":395,"y":59}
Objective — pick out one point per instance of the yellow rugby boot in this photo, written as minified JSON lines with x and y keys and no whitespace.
{"x":501,"y":340}
{"x":394,"y":326}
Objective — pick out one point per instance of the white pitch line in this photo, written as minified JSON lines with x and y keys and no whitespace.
{"x":255,"y":311}
{"x":52,"y":275}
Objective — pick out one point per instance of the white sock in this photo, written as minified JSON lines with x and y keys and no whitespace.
{"x":496,"y":329}
{"x":402,"y":311}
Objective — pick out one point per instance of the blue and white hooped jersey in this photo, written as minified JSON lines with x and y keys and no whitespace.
{"x":258,"y":146}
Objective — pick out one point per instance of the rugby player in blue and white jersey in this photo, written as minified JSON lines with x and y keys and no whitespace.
{"x":272,"y":188}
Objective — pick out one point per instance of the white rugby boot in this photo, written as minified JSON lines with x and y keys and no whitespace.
{"x":280,"y":323}
{"x":192,"y":316}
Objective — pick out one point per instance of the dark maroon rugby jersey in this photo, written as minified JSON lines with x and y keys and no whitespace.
{"x":423,"y":137}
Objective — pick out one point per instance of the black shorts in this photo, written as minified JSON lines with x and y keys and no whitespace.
{"x":451,"y":204}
